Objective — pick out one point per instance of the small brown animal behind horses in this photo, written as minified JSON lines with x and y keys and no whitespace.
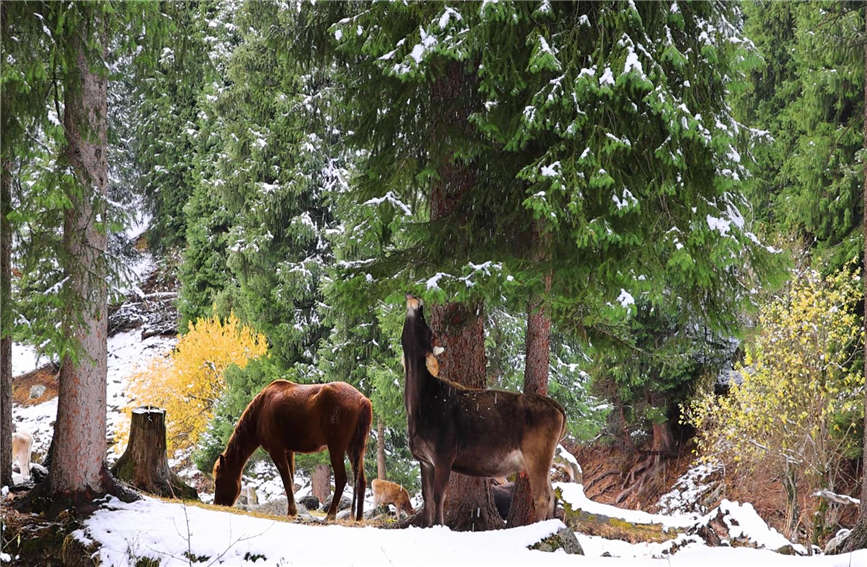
{"x":285,"y":418}
{"x":474,"y":432}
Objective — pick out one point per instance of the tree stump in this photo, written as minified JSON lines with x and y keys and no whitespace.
{"x":321,"y":483}
{"x":144,"y":464}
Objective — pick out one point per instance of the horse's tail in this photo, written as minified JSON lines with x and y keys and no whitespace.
{"x":357,"y":447}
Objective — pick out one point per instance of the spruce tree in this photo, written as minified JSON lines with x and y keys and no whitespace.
{"x":601,"y":161}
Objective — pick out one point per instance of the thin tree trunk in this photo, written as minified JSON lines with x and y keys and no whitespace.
{"x":858,"y":538}
{"x":78,"y":470}
{"x":5,"y":327}
{"x":380,"y":449}
{"x":460,"y":329}
{"x":536,"y":362}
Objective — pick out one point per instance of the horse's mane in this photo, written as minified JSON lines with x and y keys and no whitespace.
{"x":245,"y":430}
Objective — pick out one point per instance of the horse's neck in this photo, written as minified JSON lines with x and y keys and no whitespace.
{"x":238,"y":450}
{"x":419,"y":391}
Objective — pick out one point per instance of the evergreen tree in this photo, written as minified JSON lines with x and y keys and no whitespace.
{"x":582,"y":154}
{"x":806,"y":95}
{"x":165,"y":119}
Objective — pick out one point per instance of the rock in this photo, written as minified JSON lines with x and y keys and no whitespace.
{"x":310,"y":502}
{"x":278,"y":506}
{"x":36,"y":391}
{"x":248,"y":496}
{"x":345,"y":502}
{"x":564,"y":539}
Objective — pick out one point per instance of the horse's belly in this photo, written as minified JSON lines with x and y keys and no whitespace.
{"x":495,"y":464}
{"x":310,"y":448}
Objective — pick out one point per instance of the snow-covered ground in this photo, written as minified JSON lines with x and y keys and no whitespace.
{"x":173,"y":532}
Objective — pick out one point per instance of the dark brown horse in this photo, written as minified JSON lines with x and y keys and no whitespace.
{"x":474,"y":432}
{"x":285,"y":418}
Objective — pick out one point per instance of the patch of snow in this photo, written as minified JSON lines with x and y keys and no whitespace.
{"x":24,"y":359}
{"x":167,"y":531}
{"x":625,"y":298}
{"x":686,"y":493}
{"x":573,"y":494}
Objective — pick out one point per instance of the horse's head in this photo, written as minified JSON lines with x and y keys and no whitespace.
{"x":418,"y":339}
{"x":227,"y":486}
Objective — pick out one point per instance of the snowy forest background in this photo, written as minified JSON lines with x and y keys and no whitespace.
{"x":650,"y":211}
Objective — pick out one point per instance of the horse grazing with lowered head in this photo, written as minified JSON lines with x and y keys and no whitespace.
{"x":285,"y":418}
{"x":489,"y":433}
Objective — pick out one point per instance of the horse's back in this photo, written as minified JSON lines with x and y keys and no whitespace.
{"x":305,"y":417}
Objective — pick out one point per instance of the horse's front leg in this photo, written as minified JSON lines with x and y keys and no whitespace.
{"x":339,"y":482}
{"x":281,"y":461}
{"x":442,"y":471}
{"x":427,"y":492}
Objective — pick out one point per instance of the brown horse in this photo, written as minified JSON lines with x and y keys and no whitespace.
{"x":474,"y":432}
{"x":285,"y":418}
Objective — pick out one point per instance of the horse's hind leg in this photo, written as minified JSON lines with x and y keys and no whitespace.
{"x":339,"y":481}
{"x":540,"y":489}
{"x":357,"y":461}
{"x":281,"y":459}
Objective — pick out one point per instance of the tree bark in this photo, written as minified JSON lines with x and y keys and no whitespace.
{"x":144,"y":463}
{"x":537,"y":359}
{"x":78,"y":470}
{"x":5,"y":327}
{"x":858,"y":538}
{"x":320,"y":482}
{"x":380,"y":449}
{"x":5,"y":282}
{"x":460,"y":329}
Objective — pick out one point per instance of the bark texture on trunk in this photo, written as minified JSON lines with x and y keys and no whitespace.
{"x":321,"y":483}
{"x":460,"y":329}
{"x":144,"y":463}
{"x":78,"y":463}
{"x":537,"y":358}
{"x":5,"y":324}
{"x":380,"y":449}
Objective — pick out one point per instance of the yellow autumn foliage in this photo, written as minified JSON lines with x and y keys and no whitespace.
{"x":799,"y":381}
{"x":190,"y":380}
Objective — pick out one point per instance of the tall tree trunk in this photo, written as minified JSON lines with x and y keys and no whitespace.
{"x":5,"y":280}
{"x":460,"y":329}
{"x":380,"y":449}
{"x":858,"y":538}
{"x":78,"y":470}
{"x":5,"y":327}
{"x":537,"y":356}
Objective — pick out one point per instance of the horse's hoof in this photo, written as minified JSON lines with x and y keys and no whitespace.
{"x":330,"y":517}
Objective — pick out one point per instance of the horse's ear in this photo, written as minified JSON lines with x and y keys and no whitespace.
{"x":432,"y":365}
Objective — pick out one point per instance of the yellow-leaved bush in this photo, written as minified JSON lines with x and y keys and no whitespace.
{"x":190,"y":380}
{"x":797,"y":406}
